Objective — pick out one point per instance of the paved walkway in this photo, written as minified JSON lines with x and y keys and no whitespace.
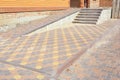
{"x":99,"y":62}
{"x":40,"y":55}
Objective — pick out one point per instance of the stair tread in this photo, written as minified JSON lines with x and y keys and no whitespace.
{"x":86,"y":19}
{"x":91,"y":9}
{"x":85,"y":22}
{"x":88,"y":13}
{"x":87,"y":16}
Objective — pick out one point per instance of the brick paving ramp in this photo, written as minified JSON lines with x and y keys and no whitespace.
{"x":44,"y":53}
{"x":23,"y":29}
{"x":101,"y":61}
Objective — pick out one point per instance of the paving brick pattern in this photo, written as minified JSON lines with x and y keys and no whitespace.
{"x":9,"y":72}
{"x":100,"y":62}
{"x":45,"y":52}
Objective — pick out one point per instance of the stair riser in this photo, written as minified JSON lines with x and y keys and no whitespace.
{"x":85,"y":20}
{"x":84,"y":23}
{"x":89,"y":14}
{"x":96,"y":17}
{"x":91,"y":10}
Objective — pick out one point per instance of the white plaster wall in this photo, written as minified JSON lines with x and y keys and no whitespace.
{"x":105,"y":15}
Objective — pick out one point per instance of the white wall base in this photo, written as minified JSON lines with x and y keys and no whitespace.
{"x":105,"y":15}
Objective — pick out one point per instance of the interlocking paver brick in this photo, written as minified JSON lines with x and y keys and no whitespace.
{"x":45,"y":52}
{"x":99,"y":62}
{"x":10,"y":72}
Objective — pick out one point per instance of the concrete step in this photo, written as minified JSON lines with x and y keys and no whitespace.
{"x":86,"y":19}
{"x":84,"y":16}
{"x":84,"y":22}
{"x":90,"y":11}
{"x":87,"y":15}
{"x":91,"y":14}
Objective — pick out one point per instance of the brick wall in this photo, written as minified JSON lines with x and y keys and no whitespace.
{"x":105,"y":3}
{"x":100,"y":3}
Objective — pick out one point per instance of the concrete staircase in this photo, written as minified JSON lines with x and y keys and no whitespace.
{"x":87,"y":16}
